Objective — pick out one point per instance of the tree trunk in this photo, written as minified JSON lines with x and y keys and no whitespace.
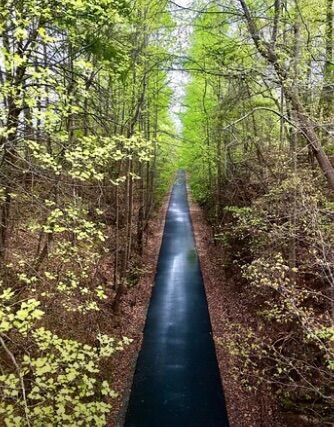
{"x":306,"y":126}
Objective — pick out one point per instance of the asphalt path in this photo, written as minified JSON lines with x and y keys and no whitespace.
{"x":177,"y":381}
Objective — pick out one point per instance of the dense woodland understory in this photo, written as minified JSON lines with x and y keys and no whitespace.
{"x":88,"y":151}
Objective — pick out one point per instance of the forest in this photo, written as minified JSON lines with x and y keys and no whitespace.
{"x":102,"y":102}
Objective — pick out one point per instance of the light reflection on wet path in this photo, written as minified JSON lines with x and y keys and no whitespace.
{"x":177,"y":382}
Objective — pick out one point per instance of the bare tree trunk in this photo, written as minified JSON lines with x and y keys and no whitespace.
{"x":327,"y":96}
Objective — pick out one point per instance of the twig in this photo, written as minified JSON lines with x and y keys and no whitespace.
{"x":12,"y":357}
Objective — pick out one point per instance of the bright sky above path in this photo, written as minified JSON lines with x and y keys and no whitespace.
{"x":184,"y":3}
{"x":179,"y":78}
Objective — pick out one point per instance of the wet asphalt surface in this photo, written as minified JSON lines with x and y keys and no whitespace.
{"x":177,"y":381}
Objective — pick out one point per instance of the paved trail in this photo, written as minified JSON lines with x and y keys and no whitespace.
{"x":177,"y":382}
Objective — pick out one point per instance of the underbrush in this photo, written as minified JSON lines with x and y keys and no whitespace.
{"x":58,"y":321}
{"x":280,"y":249}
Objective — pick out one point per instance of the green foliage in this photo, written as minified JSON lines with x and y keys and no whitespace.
{"x":61,"y":384}
{"x":21,"y":318}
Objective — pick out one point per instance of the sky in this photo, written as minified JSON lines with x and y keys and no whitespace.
{"x":179,"y":79}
